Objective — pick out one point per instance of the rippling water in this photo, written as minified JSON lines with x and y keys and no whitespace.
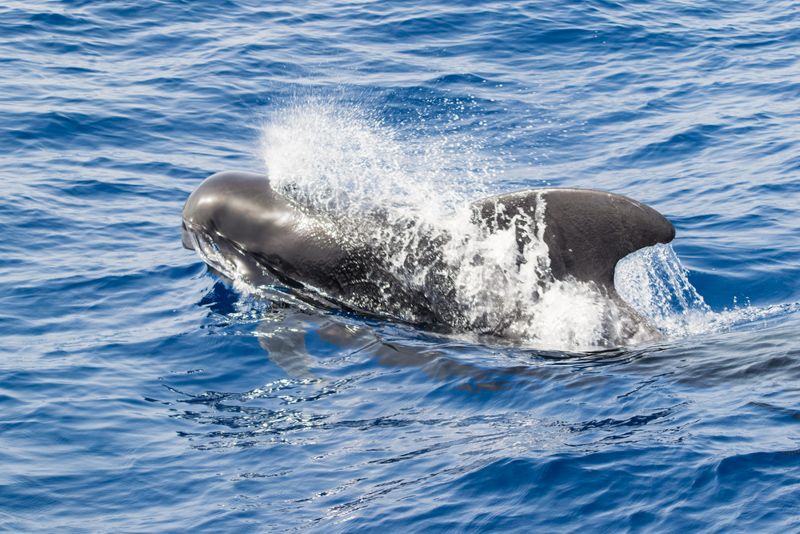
{"x":139,"y":392}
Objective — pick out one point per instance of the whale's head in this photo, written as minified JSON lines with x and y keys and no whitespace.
{"x":239,"y":225}
{"x":236,"y":206}
{"x":244,"y":229}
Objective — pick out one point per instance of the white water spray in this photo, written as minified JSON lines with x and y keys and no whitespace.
{"x":347,"y":163}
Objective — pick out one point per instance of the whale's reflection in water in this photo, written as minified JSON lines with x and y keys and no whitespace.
{"x":285,"y":334}
{"x":341,"y":372}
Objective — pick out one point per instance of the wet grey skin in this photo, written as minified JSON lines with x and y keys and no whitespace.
{"x":271,"y":239}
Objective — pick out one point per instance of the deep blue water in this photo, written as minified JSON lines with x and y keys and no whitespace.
{"x":139,"y":392}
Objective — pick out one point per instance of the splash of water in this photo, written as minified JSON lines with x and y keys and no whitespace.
{"x":346,"y":162}
{"x":343,"y":161}
{"x":654,"y":281}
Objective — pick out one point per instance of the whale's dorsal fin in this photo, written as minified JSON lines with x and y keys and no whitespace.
{"x":587,"y":231}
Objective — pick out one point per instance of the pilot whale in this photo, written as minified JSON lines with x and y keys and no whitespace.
{"x":243,"y":227}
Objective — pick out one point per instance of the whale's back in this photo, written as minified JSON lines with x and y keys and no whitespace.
{"x":587,"y":232}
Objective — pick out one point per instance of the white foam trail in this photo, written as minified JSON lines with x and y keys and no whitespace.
{"x":346,"y":162}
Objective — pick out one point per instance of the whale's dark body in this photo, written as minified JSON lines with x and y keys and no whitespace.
{"x":239,"y":219}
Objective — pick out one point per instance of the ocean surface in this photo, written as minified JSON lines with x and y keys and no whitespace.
{"x":140,"y":392}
